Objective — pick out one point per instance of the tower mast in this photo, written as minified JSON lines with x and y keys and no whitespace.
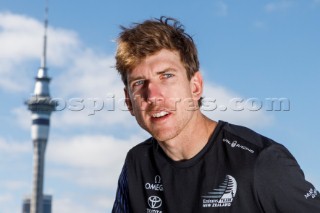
{"x":41,"y":106}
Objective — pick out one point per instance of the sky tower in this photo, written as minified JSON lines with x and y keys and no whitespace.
{"x":41,"y":105}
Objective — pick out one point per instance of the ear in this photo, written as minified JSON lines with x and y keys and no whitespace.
{"x":196,"y":85}
{"x":128,"y":100}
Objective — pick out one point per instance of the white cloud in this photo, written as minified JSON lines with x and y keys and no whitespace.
{"x":17,"y":38}
{"x":88,"y":203}
{"x":13,"y":148}
{"x":14,"y":164}
{"x":67,"y":205}
{"x":90,"y":74}
{"x":88,"y":151}
{"x":223,"y":104}
{"x":14,"y":170}
{"x":13,"y":185}
{"x":5,"y":198}
{"x":279,"y":5}
{"x":21,"y":40}
{"x":7,"y":204}
{"x":91,"y":79}
{"x":89,"y":117}
{"x":13,"y":75}
{"x":88,"y":161}
{"x":89,"y":154}
{"x":103,"y":202}
{"x":23,"y":116}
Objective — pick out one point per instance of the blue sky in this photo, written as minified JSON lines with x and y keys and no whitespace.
{"x":249,"y":51}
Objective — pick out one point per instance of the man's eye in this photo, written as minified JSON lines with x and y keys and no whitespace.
{"x":138,"y":83}
{"x":167,"y":75}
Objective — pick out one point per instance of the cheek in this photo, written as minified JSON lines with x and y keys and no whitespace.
{"x":187,"y":99}
{"x":183,"y":92}
{"x":139,"y":106}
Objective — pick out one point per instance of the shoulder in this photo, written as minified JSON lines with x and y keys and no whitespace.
{"x":143,"y":146}
{"x":267,"y":148}
{"x":236,"y":133}
{"x":269,"y":154}
{"x":280,"y":183}
{"x":140,"y":151}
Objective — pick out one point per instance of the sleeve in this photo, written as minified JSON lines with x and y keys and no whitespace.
{"x":121,"y":203}
{"x":280,"y":183}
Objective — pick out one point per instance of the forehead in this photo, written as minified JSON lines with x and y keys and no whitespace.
{"x":161,"y":60}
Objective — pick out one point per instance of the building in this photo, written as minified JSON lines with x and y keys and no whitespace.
{"x":47,"y":199}
{"x":41,"y":107}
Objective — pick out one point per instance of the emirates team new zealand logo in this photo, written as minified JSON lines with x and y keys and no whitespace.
{"x":221,"y":196}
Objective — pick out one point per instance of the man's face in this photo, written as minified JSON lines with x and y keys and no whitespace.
{"x":161,"y":97}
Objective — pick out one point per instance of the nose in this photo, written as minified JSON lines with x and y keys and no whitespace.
{"x":153,"y":93}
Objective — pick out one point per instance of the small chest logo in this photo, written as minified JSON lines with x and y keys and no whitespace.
{"x":156,"y":186}
{"x":235,"y":144}
{"x":154,"y":202}
{"x":221,"y":196}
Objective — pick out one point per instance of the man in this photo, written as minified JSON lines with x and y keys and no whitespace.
{"x":192,"y":164}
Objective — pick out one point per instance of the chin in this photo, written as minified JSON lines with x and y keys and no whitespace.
{"x":163,"y":136}
{"x":161,"y":133}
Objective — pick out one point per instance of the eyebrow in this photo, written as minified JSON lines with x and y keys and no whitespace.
{"x":140,"y":77}
{"x":166,"y":70}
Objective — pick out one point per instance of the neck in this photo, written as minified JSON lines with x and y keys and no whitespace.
{"x":186,"y":146}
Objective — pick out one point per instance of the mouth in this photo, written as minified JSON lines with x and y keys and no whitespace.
{"x":160,"y":114}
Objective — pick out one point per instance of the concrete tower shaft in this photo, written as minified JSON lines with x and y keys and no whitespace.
{"x":39,"y":147}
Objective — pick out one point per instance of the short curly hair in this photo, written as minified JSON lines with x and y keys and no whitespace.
{"x":145,"y":39}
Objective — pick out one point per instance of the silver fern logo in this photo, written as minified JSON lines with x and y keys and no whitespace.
{"x":221,"y":196}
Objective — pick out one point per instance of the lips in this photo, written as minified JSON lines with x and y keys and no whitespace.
{"x":160,"y":114}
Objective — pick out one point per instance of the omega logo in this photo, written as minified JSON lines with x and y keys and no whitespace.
{"x":157,"y":179}
{"x":154,"y":202}
{"x":157,"y":186}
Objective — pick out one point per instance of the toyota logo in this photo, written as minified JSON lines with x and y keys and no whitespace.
{"x":154,"y":202}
